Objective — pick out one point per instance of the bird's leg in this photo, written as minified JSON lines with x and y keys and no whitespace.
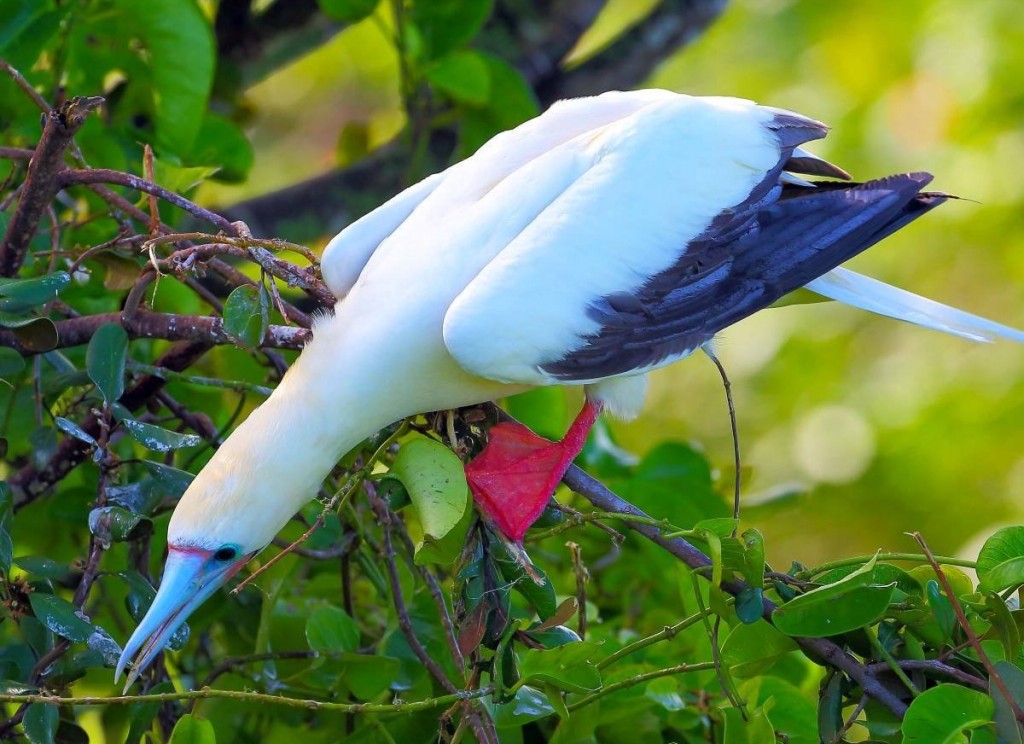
{"x":515,"y":475}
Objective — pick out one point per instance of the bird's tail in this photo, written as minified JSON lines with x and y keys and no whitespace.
{"x":877,"y":297}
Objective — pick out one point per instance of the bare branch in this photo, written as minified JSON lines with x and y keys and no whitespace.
{"x":43,"y":180}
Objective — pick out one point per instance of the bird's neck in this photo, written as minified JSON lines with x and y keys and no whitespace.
{"x":352,"y":380}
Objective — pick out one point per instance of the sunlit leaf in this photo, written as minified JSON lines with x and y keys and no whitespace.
{"x":246,"y":316}
{"x":851,"y":603}
{"x":436,"y":482}
{"x":1001,"y":560}
{"x":943,"y":713}
{"x":105,"y":360}
{"x":179,"y":51}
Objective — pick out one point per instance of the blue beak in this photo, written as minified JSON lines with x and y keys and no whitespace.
{"x":190,"y":576}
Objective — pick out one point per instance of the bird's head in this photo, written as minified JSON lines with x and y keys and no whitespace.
{"x":213,"y":533}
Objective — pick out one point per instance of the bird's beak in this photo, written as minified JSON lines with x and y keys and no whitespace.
{"x":190,"y":576}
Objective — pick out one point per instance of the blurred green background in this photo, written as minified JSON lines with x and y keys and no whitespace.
{"x":854,"y":428}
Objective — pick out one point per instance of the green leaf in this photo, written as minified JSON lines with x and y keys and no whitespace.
{"x":6,"y":552}
{"x":570,"y":668}
{"x":750,"y":605}
{"x":330,"y":629}
{"x":178,"y":47}
{"x":1001,"y":560}
{"x":157,"y":438}
{"x":37,"y":335}
{"x":511,"y":102}
{"x":1007,"y":727}
{"x":192,"y":730}
{"x":246,"y":316}
{"x":180,"y":178}
{"x":750,"y":650}
{"x":19,"y":295}
{"x":348,"y":11}
{"x":11,"y":362}
{"x":754,"y":729}
{"x":942,"y":714}
{"x":942,"y":609}
{"x":105,"y":359}
{"x":74,"y":430}
{"x":753,"y":557}
{"x":114,"y":524}
{"x":444,"y":25}
{"x":61,"y":617}
{"x":665,"y":691}
{"x":368,"y":676}
{"x":436,"y":483}
{"x":851,"y":603}
{"x":172,"y":481}
{"x":41,"y":722}
{"x":463,"y":75}
{"x":528,"y":704}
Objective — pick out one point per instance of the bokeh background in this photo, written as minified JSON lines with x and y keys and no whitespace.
{"x":854,"y":429}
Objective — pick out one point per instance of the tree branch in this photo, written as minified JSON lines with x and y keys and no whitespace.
{"x":204,"y":329}
{"x":818,"y":648}
{"x":42,"y":181}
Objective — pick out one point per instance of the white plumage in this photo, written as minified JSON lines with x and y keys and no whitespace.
{"x":607,"y":237}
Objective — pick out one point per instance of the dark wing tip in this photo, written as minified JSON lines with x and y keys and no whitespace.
{"x":792,"y":129}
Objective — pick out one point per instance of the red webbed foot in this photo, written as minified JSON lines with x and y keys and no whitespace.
{"x":513,"y":478}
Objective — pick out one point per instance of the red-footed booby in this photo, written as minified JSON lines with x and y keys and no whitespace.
{"x":606,"y":238}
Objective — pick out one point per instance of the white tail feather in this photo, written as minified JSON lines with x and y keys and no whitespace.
{"x":877,"y":297}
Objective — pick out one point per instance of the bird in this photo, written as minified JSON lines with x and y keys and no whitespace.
{"x":603,"y":239}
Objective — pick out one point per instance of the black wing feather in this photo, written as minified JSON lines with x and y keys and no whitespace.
{"x":777,"y":241}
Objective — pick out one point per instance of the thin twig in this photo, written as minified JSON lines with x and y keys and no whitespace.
{"x":972,"y":637}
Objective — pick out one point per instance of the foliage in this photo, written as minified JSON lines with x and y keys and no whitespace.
{"x":399,"y":616}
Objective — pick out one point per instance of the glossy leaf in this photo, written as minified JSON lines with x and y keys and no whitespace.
{"x":246,"y":316}
{"x":40,"y":723}
{"x":19,"y":295}
{"x":1001,"y":560}
{"x":851,"y":603}
{"x":61,"y":617}
{"x":192,"y":730}
{"x":528,"y":704}
{"x":37,"y":335}
{"x":105,"y":360}
{"x":74,"y":430}
{"x":942,"y":609}
{"x":436,"y":482}
{"x":367,"y":676}
{"x":331,"y":630}
{"x":114,"y":524}
{"x":943,"y":713}
{"x":157,"y":438}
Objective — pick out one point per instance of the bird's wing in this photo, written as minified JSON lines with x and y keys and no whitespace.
{"x":877,"y":297}
{"x":348,"y":252}
{"x":345,"y":256}
{"x":679,"y":227}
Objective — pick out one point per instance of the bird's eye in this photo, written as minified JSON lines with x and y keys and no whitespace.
{"x":226,"y":553}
